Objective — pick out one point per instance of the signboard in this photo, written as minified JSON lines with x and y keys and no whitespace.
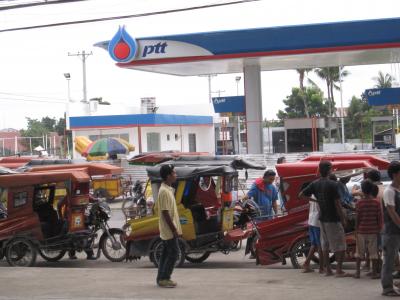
{"x":387,"y":96}
{"x":233,"y":105}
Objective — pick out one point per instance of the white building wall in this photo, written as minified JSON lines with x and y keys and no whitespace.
{"x":205,"y":140}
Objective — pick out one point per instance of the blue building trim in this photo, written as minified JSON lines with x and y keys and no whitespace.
{"x":310,"y":36}
{"x":137,"y":120}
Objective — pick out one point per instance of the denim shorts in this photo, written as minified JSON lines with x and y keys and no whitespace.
{"x":314,"y":235}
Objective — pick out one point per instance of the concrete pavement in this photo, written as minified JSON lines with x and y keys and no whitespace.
{"x":221,"y":277}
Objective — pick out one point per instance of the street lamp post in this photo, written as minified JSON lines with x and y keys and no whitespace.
{"x":237,"y":78}
{"x":68,"y":77}
{"x":66,"y":146}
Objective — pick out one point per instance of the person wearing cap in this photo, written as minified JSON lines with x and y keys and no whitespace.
{"x":265,"y":194}
{"x":169,"y":225}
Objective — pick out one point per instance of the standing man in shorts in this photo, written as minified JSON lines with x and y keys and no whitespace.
{"x":331,"y":217}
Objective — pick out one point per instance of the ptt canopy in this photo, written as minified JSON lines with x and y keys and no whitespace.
{"x":200,"y":166}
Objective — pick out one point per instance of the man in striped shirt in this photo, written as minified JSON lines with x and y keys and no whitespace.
{"x":368,"y":225}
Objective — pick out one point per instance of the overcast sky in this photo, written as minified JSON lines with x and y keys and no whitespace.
{"x":32,"y":62}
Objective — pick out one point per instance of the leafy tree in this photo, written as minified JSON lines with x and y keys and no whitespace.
{"x":383,"y":81}
{"x":273,"y":123}
{"x":295,"y":108}
{"x":302,"y":73}
{"x":38,"y":128}
{"x":331,"y":75}
{"x":358,"y":121}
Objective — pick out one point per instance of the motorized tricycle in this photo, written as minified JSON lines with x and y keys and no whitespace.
{"x":32,"y":224}
{"x":204,"y":192}
{"x":286,"y":235}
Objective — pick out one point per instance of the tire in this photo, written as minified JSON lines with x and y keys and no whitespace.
{"x":197,"y":259}
{"x":157,"y":248}
{"x":117,"y":252}
{"x":299,"y":252}
{"x":52,"y":256}
{"x":20,"y":252}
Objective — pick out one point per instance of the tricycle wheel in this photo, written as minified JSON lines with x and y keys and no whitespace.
{"x":21,"y":252}
{"x":52,"y":255}
{"x":158,"y":248}
{"x":113,"y":247}
{"x":197,"y":258}
{"x":299,"y":252}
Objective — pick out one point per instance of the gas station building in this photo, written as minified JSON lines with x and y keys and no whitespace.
{"x":251,"y":51}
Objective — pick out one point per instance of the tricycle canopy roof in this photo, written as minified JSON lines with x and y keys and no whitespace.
{"x":309,"y":166}
{"x":378,"y":162}
{"x":56,"y":173}
{"x":24,"y":179}
{"x":199,"y":166}
{"x":154,"y":158}
{"x":92,"y":169}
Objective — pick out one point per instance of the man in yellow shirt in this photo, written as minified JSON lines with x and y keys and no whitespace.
{"x":169,"y":225}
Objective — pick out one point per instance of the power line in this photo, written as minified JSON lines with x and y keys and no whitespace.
{"x":32,"y":100}
{"x":128,"y":16}
{"x":36,"y":3}
{"x":29,"y":96}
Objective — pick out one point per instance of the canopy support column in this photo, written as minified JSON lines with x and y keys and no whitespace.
{"x":252,"y":90}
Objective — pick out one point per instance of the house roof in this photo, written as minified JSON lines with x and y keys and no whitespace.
{"x":118,"y":121}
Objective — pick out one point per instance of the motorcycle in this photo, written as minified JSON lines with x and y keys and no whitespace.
{"x":135,"y":206}
{"x":245,"y":211}
{"x":111,"y":241}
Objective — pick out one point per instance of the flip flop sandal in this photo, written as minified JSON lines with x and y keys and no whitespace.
{"x":391,"y":293}
{"x":307,"y":271}
{"x":343,"y":275}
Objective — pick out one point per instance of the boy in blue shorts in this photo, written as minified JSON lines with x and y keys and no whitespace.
{"x":314,"y":235}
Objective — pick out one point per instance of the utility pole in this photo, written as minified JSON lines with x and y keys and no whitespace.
{"x":83,"y":56}
{"x":209,"y":76}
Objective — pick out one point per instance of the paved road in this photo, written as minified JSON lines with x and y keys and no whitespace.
{"x":222,"y":276}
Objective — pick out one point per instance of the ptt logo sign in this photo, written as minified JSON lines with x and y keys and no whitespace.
{"x":123,"y":48}
{"x":158,"y":48}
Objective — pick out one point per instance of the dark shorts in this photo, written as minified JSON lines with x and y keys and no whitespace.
{"x":314,"y":234}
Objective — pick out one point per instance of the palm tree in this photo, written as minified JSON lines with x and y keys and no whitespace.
{"x":301,"y":81}
{"x":331,"y":76}
{"x":383,"y":81}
